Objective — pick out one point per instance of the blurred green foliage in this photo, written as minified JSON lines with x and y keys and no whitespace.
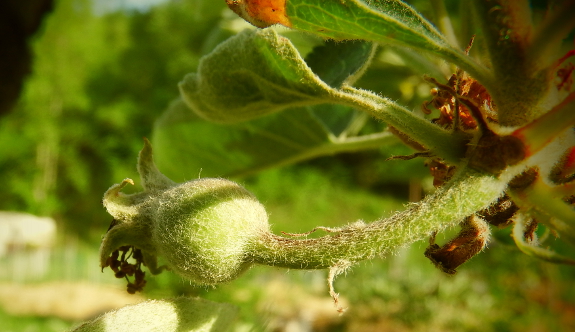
{"x":100,"y":82}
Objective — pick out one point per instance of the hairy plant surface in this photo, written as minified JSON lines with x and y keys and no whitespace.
{"x":497,"y":136}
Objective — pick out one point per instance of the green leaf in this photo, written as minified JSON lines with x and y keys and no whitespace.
{"x":250,"y":75}
{"x":178,"y":315}
{"x":186,"y":145}
{"x":339,"y":62}
{"x":256,"y":73}
{"x":392,"y":21}
{"x":389,"y":22}
{"x":335,"y":118}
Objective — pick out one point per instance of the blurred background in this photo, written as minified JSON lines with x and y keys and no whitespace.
{"x":84,"y":80}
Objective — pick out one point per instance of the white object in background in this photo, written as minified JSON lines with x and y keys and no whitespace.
{"x":23,"y":230}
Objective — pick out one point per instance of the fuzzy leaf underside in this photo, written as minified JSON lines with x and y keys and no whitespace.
{"x":169,"y":315}
{"x":248,"y":133}
{"x":259,"y":72}
{"x":250,"y":75}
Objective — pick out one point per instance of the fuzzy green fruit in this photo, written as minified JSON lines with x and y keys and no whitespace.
{"x":201,"y":228}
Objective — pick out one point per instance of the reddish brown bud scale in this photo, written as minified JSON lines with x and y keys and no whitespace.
{"x":499,"y":214}
{"x":570,"y":159}
{"x":564,"y":171}
{"x":568,"y":162}
{"x":471,"y":240}
{"x":261,"y":13}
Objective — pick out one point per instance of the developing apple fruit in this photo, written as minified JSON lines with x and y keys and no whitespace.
{"x":201,"y":228}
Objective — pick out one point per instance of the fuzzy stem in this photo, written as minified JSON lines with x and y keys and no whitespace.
{"x":447,"y":145}
{"x":506,"y":27}
{"x":467,"y":193}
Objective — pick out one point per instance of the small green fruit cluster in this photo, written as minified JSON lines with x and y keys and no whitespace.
{"x":201,"y":228}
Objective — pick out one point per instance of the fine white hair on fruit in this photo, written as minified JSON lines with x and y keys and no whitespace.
{"x":201,"y":228}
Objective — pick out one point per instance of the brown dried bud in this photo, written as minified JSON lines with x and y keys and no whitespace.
{"x":524,"y":179}
{"x":472,"y":238}
{"x":499,"y":213}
